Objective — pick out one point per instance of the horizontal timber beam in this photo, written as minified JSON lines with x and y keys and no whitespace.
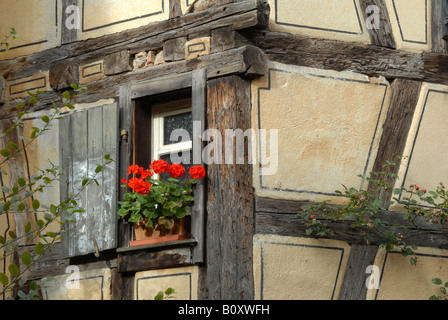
{"x":370,"y":60}
{"x":277,"y":216}
{"x":247,"y":61}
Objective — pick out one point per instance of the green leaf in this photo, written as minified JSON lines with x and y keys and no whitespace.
{"x":159,"y":296}
{"x":28,"y":227}
{"x":36,"y":204}
{"x":26,"y":258}
{"x":436,"y":281}
{"x":33,"y":285}
{"x":12,"y":145}
{"x":51,"y":234}
{"x":14,"y":270}
{"x":4,"y":280}
{"x":40,"y":223}
{"x":2,"y":240}
{"x":22,"y":182}
{"x":66,"y":95}
{"x":85,"y":181}
{"x":53,"y":209}
{"x":21,"y":207}
{"x":169,"y":291}
{"x":39,"y":248}
{"x":5,"y":152}
{"x":99,"y":169}
{"x":45,"y":119}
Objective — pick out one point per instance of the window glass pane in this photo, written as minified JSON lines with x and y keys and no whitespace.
{"x":177,"y":121}
{"x":186,"y":160}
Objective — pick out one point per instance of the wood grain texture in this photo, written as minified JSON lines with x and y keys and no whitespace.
{"x":287,"y":223}
{"x":382,"y":36}
{"x":405,"y":94}
{"x":227,"y":272}
{"x":248,"y":61}
{"x":438,"y":12}
{"x":354,"y":284}
{"x":91,"y":134}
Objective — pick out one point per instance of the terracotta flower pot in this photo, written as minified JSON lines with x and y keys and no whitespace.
{"x":144,"y":235}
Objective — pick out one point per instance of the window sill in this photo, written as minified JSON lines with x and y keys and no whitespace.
{"x":159,"y":246}
{"x":156,"y":256}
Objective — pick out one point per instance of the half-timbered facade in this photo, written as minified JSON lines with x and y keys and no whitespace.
{"x":285,"y":100}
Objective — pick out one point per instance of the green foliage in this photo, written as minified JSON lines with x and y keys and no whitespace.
{"x":442,"y":290}
{"x":165,"y":295}
{"x":363,"y":206}
{"x":4,"y":38}
{"x":168,"y":199}
{"x":16,"y":197}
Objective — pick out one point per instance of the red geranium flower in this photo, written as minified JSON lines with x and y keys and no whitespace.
{"x":197,"y":172}
{"x":160,"y":166}
{"x":176,"y":170}
{"x":124,"y":181}
{"x":140,"y":186}
{"x":133,"y":169}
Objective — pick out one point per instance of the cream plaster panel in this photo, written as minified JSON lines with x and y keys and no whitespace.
{"x":111,"y":16}
{"x":185,"y":4}
{"x":329,"y":127}
{"x":37,"y":24}
{"x":290,"y":268}
{"x":183,"y":280}
{"x":19,"y":88}
{"x":411,"y":24}
{"x":426,"y":148}
{"x":39,"y":155}
{"x":328,"y":19}
{"x":86,"y":285}
{"x":399,"y":280}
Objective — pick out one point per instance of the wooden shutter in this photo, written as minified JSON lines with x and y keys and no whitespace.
{"x":85,"y":138}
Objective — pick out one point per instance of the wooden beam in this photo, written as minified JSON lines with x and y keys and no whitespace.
{"x":199,"y":107}
{"x":140,"y":260}
{"x":228,"y":270}
{"x":405,"y":94}
{"x":248,"y":61}
{"x":69,"y":35}
{"x":289,"y":224}
{"x":438,"y":29}
{"x":340,"y":56}
{"x":354,"y":284}
{"x":242,"y":15}
{"x":382,"y":36}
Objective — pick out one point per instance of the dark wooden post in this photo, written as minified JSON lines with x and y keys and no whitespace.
{"x":227,"y":272}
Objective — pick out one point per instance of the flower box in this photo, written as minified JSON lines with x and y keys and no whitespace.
{"x":160,"y":209}
{"x":145,"y":235}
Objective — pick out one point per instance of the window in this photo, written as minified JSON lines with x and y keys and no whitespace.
{"x":150,"y":111}
{"x":172,"y":131}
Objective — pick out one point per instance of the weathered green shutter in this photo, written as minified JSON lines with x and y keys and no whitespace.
{"x":85,"y":138}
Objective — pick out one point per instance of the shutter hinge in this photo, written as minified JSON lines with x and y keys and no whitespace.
{"x":124,"y":135}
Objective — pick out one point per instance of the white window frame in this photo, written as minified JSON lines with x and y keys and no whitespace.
{"x":159,"y":112}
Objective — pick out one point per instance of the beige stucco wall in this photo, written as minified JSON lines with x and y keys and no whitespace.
{"x":92,"y":284}
{"x":328,"y":19}
{"x":37,"y":23}
{"x":111,"y":16}
{"x":329,"y":127}
{"x":411,"y":24}
{"x":183,"y":280}
{"x":399,"y":280}
{"x":344,"y":20}
{"x":294,"y":268}
{"x":426,"y":148}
